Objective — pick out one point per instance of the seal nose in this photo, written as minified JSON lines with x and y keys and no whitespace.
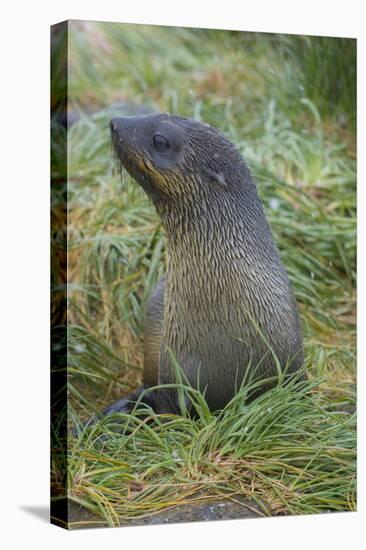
{"x":113,"y":125}
{"x":122,"y":125}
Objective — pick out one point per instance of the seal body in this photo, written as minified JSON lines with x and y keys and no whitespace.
{"x":225,"y":309}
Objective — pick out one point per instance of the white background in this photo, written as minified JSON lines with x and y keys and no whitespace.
{"x":24,"y":272}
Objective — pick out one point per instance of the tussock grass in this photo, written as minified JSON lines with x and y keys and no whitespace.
{"x":288,"y":103}
{"x":287,"y":451}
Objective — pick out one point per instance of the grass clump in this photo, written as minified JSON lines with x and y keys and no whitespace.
{"x":288,"y":451}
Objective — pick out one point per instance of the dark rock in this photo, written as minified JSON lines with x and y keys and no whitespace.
{"x":80,"y":518}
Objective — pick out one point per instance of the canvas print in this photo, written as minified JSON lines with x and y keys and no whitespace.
{"x":203,"y":292}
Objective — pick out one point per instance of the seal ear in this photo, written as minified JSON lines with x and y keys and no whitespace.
{"x":217,"y":178}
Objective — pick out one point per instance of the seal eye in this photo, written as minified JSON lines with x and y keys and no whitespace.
{"x":161,"y":144}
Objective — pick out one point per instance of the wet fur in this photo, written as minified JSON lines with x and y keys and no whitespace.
{"x":225,"y":304}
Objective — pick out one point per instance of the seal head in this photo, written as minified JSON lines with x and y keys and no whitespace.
{"x":160,"y":152}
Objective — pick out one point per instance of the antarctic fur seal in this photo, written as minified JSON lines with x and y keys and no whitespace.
{"x":225,"y":306}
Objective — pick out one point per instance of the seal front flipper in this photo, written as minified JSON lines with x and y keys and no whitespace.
{"x":126,"y":404}
{"x":153,"y":327}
